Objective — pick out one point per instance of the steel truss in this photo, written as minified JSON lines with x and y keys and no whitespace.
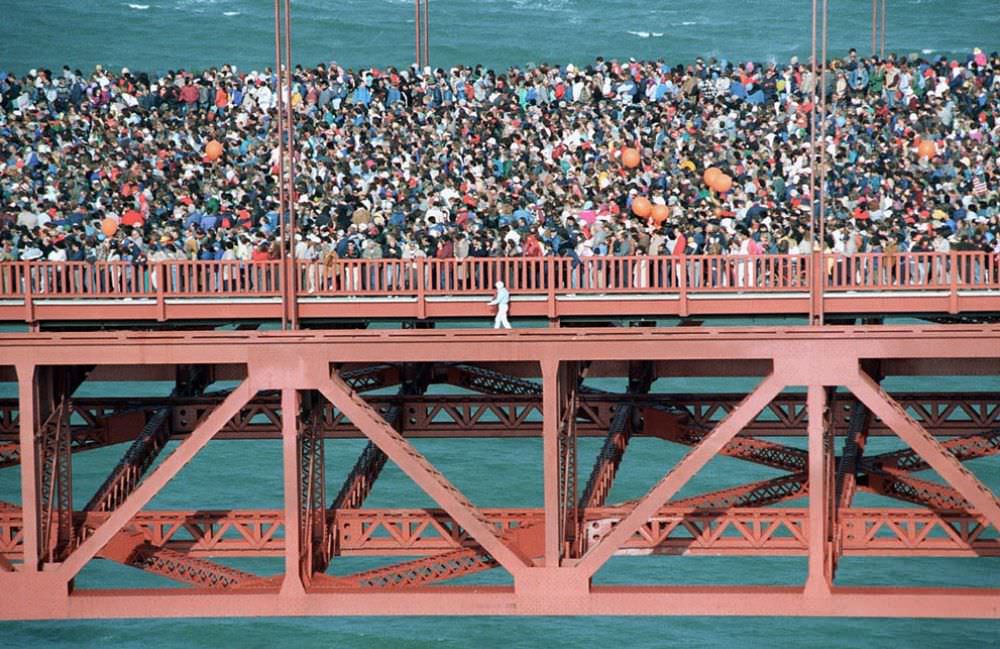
{"x":293,"y":385}
{"x":108,"y":420}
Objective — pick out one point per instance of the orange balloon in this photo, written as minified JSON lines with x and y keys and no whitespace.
{"x":723,"y":184}
{"x":660,"y":214}
{"x":641,"y":206}
{"x":710,"y":175}
{"x":109,"y":227}
{"x":926,"y":149}
{"x":630,"y":157}
{"x":213,"y":150}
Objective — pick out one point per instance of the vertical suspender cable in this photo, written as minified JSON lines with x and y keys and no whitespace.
{"x":290,"y":191}
{"x":427,"y":29}
{"x":282,"y":207}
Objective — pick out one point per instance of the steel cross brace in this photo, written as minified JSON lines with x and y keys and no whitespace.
{"x":155,"y":481}
{"x":422,"y":472}
{"x":361,"y":480}
{"x":674,"y":480}
{"x":929,"y":448}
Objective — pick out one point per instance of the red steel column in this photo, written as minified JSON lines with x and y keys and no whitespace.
{"x":551,"y":388}
{"x":292,"y":583}
{"x":819,"y":579}
{"x":28,"y":423}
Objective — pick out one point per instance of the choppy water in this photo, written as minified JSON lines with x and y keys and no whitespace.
{"x":164,"y":34}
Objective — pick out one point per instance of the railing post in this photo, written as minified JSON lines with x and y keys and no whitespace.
{"x":421,"y":288}
{"x":29,"y":302}
{"x":816,"y":279}
{"x":682,"y":285}
{"x":294,"y":289}
{"x":161,"y":304}
{"x":953,"y":282}
{"x":550,"y":275}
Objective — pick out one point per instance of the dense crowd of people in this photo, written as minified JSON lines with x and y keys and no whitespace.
{"x":469,"y":162}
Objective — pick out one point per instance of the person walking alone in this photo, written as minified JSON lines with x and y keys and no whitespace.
{"x":502,"y":303}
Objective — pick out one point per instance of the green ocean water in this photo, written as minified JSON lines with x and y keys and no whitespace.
{"x":157,"y":35}
{"x":165,"y":34}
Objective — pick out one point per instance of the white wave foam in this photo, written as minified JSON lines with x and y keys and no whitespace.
{"x":688,"y":23}
{"x":926,"y":51}
{"x":646,"y":34}
{"x":138,"y":7}
{"x":230,"y":13}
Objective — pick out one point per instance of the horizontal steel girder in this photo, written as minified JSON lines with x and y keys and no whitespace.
{"x":116,"y":420}
{"x":673,"y":530}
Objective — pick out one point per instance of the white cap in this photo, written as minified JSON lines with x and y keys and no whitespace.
{"x":499,"y":284}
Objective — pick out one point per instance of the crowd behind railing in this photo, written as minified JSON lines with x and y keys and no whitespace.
{"x":522,"y":275}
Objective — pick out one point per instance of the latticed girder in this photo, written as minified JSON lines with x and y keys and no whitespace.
{"x":408,"y":532}
{"x":137,"y":459}
{"x":10,"y":454}
{"x":112,"y":420}
{"x":129,"y":547}
{"x":105,"y":422}
{"x":754,"y":494}
{"x":668,"y":426}
{"x":371,"y":377}
{"x":420,"y":572}
{"x":313,"y":531}
{"x":361,"y":480}
{"x":447,"y":565}
{"x":963,"y":448}
{"x":602,"y":476}
{"x":489,"y":381}
{"x":902,"y":486}
{"x":55,"y":484}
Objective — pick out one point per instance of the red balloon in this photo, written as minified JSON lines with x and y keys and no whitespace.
{"x":723,"y":184}
{"x":710,"y":175}
{"x":109,"y":227}
{"x":641,"y":206}
{"x":926,"y":149}
{"x":660,"y":214}
{"x":630,"y":157}
{"x":213,"y":150}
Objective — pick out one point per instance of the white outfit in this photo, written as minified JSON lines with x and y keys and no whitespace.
{"x":502,"y":303}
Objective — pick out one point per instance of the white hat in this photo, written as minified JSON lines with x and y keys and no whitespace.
{"x":499,"y":284}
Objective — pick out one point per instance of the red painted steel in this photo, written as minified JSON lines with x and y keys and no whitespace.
{"x":550,"y":552}
{"x":682,"y":529}
{"x":976,"y":418}
{"x":926,"y":283}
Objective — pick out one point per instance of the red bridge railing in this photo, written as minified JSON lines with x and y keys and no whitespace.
{"x":545,"y":279}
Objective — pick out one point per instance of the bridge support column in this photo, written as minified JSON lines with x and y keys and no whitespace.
{"x":820,"y":577}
